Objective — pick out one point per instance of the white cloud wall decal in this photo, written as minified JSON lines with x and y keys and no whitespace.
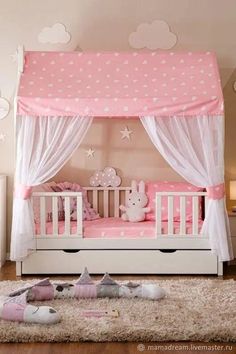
{"x":55,"y":34}
{"x":155,"y":35}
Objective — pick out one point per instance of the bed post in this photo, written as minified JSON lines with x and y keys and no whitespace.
{"x":21,"y":58}
{"x":219,"y":268}
{"x":18,"y":269}
{"x":20,"y":69}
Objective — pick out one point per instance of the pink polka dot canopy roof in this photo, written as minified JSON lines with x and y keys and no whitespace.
{"x":120,"y":84}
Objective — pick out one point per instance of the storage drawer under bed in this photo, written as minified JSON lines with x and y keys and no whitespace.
{"x":121,"y":261}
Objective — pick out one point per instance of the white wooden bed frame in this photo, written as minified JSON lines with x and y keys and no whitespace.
{"x":165,"y":254}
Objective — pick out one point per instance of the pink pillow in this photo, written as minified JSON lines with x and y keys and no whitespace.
{"x":153,"y":187}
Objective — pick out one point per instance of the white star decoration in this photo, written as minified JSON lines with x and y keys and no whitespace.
{"x":90,"y":153}
{"x":2,"y":137}
{"x":125,"y":133}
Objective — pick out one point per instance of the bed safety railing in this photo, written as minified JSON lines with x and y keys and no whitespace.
{"x":55,"y":199}
{"x":195,"y":198}
{"x":106,"y":202}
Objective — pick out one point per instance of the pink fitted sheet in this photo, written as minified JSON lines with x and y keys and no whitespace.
{"x":115,"y":228}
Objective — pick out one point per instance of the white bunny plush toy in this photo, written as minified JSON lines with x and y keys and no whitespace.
{"x":136,"y":203}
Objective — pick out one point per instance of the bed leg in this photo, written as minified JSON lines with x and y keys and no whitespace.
{"x":220,"y":268}
{"x":18,"y":269}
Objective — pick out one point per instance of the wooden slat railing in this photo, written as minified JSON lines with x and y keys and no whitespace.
{"x":195,"y":196}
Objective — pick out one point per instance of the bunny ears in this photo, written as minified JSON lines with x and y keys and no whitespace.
{"x":138,"y":187}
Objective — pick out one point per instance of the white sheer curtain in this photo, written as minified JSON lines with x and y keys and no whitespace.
{"x":44,"y":144}
{"x":194,"y":147}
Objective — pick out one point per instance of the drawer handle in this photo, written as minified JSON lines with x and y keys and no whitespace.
{"x":168,"y":251}
{"x":71,"y":251}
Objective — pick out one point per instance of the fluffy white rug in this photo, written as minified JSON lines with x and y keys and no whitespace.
{"x":194,"y":310}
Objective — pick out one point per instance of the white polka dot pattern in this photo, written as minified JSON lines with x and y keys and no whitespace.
{"x":117,"y":83}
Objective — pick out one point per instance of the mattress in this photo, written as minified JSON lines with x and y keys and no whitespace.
{"x":115,"y":228}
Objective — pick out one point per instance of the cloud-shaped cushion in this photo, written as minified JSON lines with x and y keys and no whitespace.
{"x":105,"y":178}
{"x":55,"y":34}
{"x":155,"y":35}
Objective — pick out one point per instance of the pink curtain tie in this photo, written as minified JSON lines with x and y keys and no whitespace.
{"x":216,"y":192}
{"x":23,"y":192}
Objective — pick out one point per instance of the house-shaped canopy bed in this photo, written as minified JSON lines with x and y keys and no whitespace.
{"x":178,"y":98}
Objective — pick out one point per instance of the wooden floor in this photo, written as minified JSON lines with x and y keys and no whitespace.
{"x":8,"y":273}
